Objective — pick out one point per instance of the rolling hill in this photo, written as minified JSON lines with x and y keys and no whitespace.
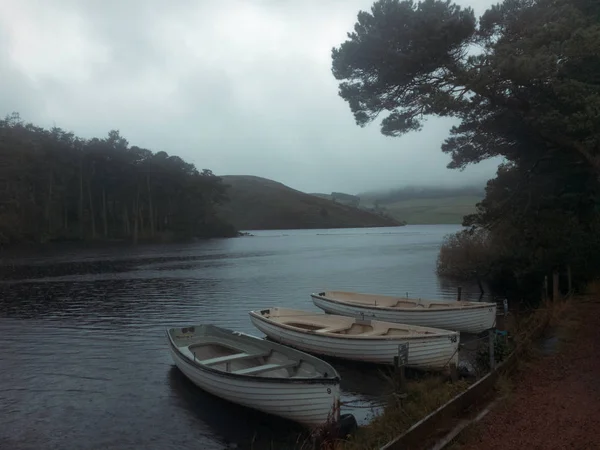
{"x":261,"y":204}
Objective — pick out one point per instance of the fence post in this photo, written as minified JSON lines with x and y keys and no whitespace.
{"x":400,"y":362}
{"x":555,"y":287}
{"x":453,"y":372}
{"x":491,"y":335}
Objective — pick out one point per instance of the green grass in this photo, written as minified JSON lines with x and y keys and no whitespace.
{"x":261,"y":204}
{"x":447,"y":210}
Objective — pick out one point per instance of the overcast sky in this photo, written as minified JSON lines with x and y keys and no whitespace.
{"x":238,"y":87}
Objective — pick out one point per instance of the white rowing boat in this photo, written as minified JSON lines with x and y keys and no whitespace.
{"x":354,"y":339}
{"x":258,"y":374}
{"x":468,"y":317}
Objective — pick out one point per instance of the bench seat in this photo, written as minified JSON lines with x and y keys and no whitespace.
{"x":265,"y":368}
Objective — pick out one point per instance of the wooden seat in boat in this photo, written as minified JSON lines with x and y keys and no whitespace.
{"x":373,"y":333}
{"x":234,"y":357}
{"x":265,"y":368}
{"x":332,"y":329}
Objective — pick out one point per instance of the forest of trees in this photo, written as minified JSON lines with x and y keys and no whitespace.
{"x":55,"y":186}
{"x":523,"y":83}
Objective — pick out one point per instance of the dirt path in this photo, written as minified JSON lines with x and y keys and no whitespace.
{"x":555,"y":403}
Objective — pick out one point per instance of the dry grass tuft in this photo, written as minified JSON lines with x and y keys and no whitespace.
{"x":424,"y":397}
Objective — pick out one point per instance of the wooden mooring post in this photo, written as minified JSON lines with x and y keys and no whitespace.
{"x":492,"y":339}
{"x":400,"y":362}
{"x":555,"y":286}
{"x":459,"y":296}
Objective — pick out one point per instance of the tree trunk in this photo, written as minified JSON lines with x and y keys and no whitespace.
{"x":555,"y":287}
{"x":104,"y":218}
{"x":81,"y":198}
{"x":49,"y":204}
{"x":135,"y":226}
{"x":150,"y":209}
{"x":142,"y":222}
{"x":126,"y":224}
{"x":92,"y":214}
{"x":66,"y":216}
{"x":569,"y":279}
{"x":480,"y":284}
{"x":136,"y":215}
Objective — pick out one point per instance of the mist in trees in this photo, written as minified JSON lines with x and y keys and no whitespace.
{"x":523,"y":81}
{"x":56,"y":186}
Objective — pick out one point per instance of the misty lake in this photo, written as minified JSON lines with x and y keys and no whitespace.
{"x":83,"y":355}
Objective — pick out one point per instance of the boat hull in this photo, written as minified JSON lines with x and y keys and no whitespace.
{"x":427,"y":353}
{"x":310,"y":403}
{"x":467,"y":320}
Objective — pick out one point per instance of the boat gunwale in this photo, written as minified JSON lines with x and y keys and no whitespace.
{"x":335,"y":380}
{"x":443,"y":332}
{"x":469,"y":307}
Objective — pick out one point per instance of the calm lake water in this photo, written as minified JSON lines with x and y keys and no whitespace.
{"x":83,"y":356}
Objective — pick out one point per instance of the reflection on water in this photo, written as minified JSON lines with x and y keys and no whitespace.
{"x":82,"y":345}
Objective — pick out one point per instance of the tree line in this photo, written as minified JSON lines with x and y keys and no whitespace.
{"x":523,"y":82}
{"x":57,"y":186}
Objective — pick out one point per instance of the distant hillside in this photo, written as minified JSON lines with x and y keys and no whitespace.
{"x":260,"y":204}
{"x":426,"y":205}
{"x":421,"y":211}
{"x":412,"y":192}
{"x":340,"y":197}
{"x":318,"y":194}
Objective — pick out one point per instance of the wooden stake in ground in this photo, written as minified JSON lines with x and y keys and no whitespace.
{"x":400,"y":362}
{"x":492,"y":335}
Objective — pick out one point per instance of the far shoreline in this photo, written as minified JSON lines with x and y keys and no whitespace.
{"x":55,"y":247}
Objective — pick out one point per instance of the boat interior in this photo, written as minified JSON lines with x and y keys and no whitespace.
{"x":231,"y":357}
{"x":340,"y":325}
{"x":387,"y":301}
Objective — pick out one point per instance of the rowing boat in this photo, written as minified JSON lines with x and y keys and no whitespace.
{"x":354,"y":339}
{"x":257,"y":373}
{"x":468,"y":317}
